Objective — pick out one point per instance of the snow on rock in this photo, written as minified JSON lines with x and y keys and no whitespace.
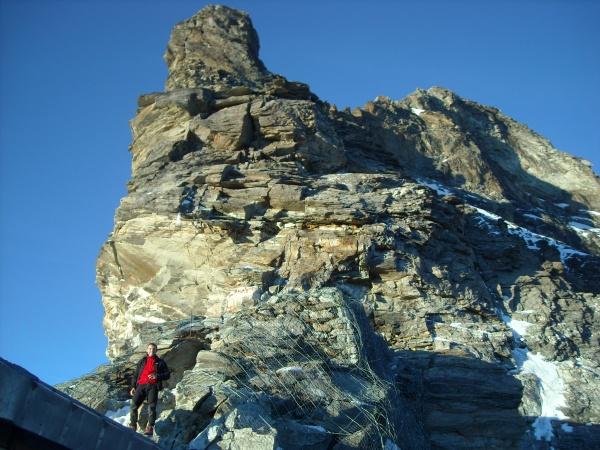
{"x":533,"y":216}
{"x":583,"y":228}
{"x":562,"y":205}
{"x":417,"y":111}
{"x":552,"y":390}
{"x":121,"y":415}
{"x":486,"y":223}
{"x":486,"y":213}
{"x":532,"y":239}
{"x":519,"y":327}
{"x":551,"y":385}
{"x":578,"y":218}
{"x":437,"y":187}
{"x":566,"y":251}
{"x":581,"y":225}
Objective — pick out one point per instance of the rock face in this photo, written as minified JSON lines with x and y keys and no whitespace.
{"x":412,"y":274}
{"x":216,"y":46}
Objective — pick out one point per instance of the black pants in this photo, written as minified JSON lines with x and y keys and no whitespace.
{"x":144,"y":392}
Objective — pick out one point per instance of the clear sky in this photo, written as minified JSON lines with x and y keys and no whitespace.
{"x":71,"y":71}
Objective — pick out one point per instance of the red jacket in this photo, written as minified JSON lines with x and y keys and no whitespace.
{"x":148,"y":370}
{"x":162,"y":371}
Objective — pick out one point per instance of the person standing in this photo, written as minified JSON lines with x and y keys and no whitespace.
{"x":150,"y":372}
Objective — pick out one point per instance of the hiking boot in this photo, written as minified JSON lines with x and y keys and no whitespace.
{"x":149,"y":431}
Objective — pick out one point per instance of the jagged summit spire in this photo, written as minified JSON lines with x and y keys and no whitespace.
{"x":216,"y":47}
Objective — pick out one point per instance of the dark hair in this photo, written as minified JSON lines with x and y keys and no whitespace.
{"x":153,"y":344}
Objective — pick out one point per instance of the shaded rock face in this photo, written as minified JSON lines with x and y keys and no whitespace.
{"x":421,"y":273}
{"x":299,"y":370}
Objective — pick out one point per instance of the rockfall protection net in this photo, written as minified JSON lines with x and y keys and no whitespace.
{"x":312,"y":371}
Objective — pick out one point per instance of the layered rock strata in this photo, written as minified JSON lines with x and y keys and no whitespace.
{"x":420,"y":273}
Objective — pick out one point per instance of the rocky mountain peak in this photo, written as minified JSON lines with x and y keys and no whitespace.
{"x":434,"y":94}
{"x":480,"y":148}
{"x":218,"y":46}
{"x":417,"y":273}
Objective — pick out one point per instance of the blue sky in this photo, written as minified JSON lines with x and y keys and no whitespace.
{"x":71,"y":71}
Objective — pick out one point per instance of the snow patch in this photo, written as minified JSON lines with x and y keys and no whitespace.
{"x":486,"y":213}
{"x":552,"y":390}
{"x":566,"y":251}
{"x":532,"y":216}
{"x":518,"y":326}
{"x":562,"y":205}
{"x":121,"y":415}
{"x":437,"y":187}
{"x":417,"y":111}
{"x":585,"y":219}
{"x":551,"y":385}
{"x":532,"y":239}
{"x":583,"y":226}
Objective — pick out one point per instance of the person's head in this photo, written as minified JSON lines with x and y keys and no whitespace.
{"x":151,"y":350}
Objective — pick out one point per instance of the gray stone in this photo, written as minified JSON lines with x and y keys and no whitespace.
{"x":216,"y":47}
{"x":227,"y":129}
